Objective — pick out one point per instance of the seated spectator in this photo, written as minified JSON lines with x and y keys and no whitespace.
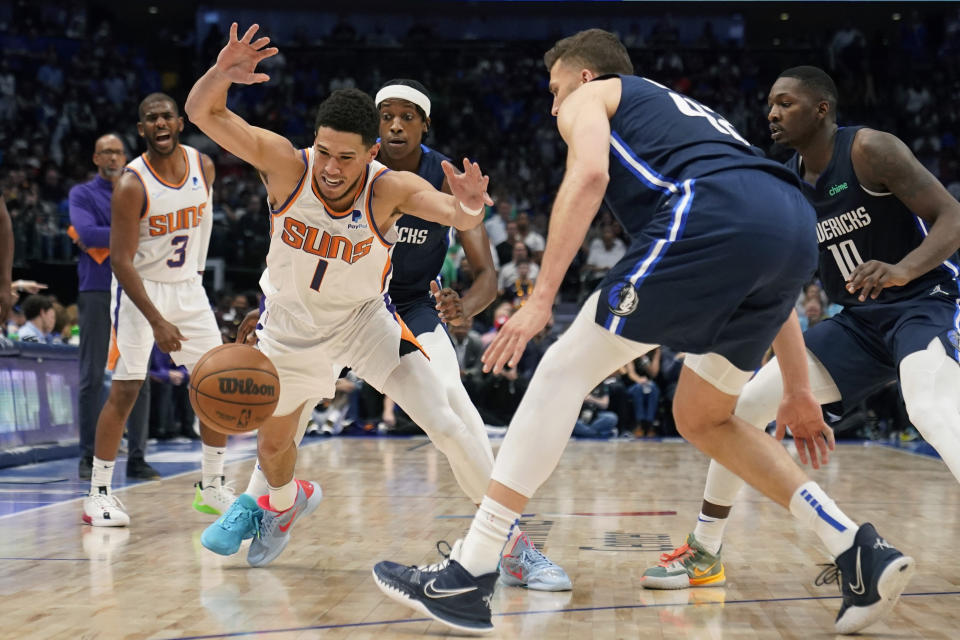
{"x":595,"y":421}
{"x":40,"y":318}
{"x":530,"y":237}
{"x":812,"y":314}
{"x":508,"y":272}
{"x":504,"y":250}
{"x":469,"y":349}
{"x":644,"y":391}
{"x":604,"y":252}
{"x":521,"y":288}
{"x":171,"y":415}
{"x":497,"y":224}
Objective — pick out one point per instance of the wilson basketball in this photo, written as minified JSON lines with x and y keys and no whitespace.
{"x":234,"y":388}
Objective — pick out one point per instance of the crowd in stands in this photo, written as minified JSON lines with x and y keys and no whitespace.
{"x":66,"y":77}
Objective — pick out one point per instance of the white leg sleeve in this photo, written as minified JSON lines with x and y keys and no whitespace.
{"x":443,"y":360}
{"x":583,"y":356}
{"x":413,"y":385}
{"x":757,"y":405}
{"x":931,"y":383}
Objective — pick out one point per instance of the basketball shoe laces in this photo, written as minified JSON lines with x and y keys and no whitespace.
{"x":533,"y":558}
{"x":234,"y":517}
{"x":443,"y":563}
{"x":830,"y":574}
{"x":679,"y":554}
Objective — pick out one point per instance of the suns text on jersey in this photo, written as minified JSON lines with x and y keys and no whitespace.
{"x":842,"y":224}
{"x":300,"y":235}
{"x":161,"y":224}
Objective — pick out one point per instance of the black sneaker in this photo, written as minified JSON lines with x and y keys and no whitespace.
{"x":139,"y":469}
{"x":871,"y":575}
{"x":85,"y":468}
{"x":446,"y":592}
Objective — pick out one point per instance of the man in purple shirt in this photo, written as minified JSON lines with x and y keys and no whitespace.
{"x":90,"y":218}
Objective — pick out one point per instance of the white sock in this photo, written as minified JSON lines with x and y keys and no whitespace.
{"x":102,"y":475}
{"x":709,"y":532}
{"x":814,"y":508}
{"x":258,"y":485}
{"x":489,"y":533}
{"x":211,"y":469}
{"x":282,"y":498}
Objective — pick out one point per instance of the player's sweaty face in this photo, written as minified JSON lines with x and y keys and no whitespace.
{"x":160,"y":126}
{"x":341,"y":159}
{"x":792,"y":111}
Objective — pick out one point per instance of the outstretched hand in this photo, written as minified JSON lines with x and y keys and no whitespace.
{"x":873,"y":276}
{"x":469,"y":187}
{"x":238,"y":60}
{"x":449,"y":306}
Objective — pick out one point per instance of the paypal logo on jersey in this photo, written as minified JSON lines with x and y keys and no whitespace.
{"x":196,"y":182}
{"x":355,"y":220}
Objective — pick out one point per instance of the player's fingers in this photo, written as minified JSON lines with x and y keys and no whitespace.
{"x":257,"y":78}
{"x":781,"y":430}
{"x":829,"y":437}
{"x":434,"y":288}
{"x":801,"y":449}
{"x":248,"y":36}
{"x":233,"y":32}
{"x":824,"y":450}
{"x":814,"y":459}
{"x":260,"y":42}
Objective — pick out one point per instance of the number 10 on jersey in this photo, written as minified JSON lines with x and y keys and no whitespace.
{"x":847,"y":257}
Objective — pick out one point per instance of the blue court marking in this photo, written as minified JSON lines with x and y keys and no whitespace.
{"x":917,"y":447}
{"x":354,"y":625}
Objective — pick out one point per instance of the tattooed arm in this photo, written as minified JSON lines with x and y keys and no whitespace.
{"x":883,"y":163}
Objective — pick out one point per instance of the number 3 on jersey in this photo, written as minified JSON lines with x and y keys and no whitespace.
{"x":180,"y":252}
{"x":847,"y":257}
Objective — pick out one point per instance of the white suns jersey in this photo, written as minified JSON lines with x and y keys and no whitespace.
{"x":175,"y":223}
{"x":323,"y":265}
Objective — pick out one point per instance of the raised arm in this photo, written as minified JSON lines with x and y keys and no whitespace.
{"x":584,"y":123}
{"x":402,"y":192}
{"x":272,"y":154}
{"x":883,"y":163}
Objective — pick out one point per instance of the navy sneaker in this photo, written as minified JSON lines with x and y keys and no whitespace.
{"x":871,"y":574}
{"x":446,"y":592}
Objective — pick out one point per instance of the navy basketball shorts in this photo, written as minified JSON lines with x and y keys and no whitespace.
{"x":717,"y":269}
{"x":420,"y":314}
{"x":862,"y":346}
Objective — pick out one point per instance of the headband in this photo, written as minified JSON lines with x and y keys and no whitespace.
{"x":404,"y":92}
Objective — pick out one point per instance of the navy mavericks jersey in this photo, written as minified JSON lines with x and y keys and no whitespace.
{"x":855,"y":225}
{"x":660,"y":141}
{"x":422,"y":245}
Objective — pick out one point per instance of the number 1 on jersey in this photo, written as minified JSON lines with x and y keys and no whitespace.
{"x":318,"y":274}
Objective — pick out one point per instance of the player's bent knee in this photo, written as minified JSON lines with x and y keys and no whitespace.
{"x":930,"y":420}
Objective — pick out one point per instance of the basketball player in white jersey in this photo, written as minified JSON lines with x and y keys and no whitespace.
{"x":159,"y":233}
{"x":334,"y":209}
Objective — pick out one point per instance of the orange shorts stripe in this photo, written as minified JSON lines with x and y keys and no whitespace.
{"x":114,"y":354}
{"x":407,"y":335}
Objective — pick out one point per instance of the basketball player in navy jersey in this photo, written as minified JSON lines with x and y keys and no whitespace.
{"x":888,"y":233}
{"x":696,"y":199}
{"x":417,"y":259}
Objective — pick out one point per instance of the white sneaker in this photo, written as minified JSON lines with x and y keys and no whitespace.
{"x":104,"y":510}
{"x":215,"y":499}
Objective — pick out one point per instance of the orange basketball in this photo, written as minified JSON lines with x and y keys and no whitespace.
{"x":234,"y":388}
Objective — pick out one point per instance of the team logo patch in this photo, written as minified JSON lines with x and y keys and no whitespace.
{"x":954,"y":339}
{"x":623,"y":299}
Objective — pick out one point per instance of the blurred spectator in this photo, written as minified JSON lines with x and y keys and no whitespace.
{"x":604,"y":252}
{"x":509,"y":272}
{"x":40,"y":318}
{"x":6,"y":265}
{"x":530,"y":237}
{"x":497,"y":224}
{"x":468,"y":347}
{"x":595,"y":421}
{"x":505,"y":248}
{"x":644,"y":391}
{"x":812,"y":314}
{"x":171,"y":415}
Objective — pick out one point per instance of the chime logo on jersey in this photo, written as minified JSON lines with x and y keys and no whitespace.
{"x":163,"y":223}
{"x":300,"y":235}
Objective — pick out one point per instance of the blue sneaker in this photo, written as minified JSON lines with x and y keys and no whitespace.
{"x":446,"y":592}
{"x":240,"y":522}
{"x":275,"y":527}
{"x":871,"y":575}
{"x":525,"y":566}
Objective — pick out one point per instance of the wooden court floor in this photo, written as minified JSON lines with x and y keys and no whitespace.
{"x":607,"y":512}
